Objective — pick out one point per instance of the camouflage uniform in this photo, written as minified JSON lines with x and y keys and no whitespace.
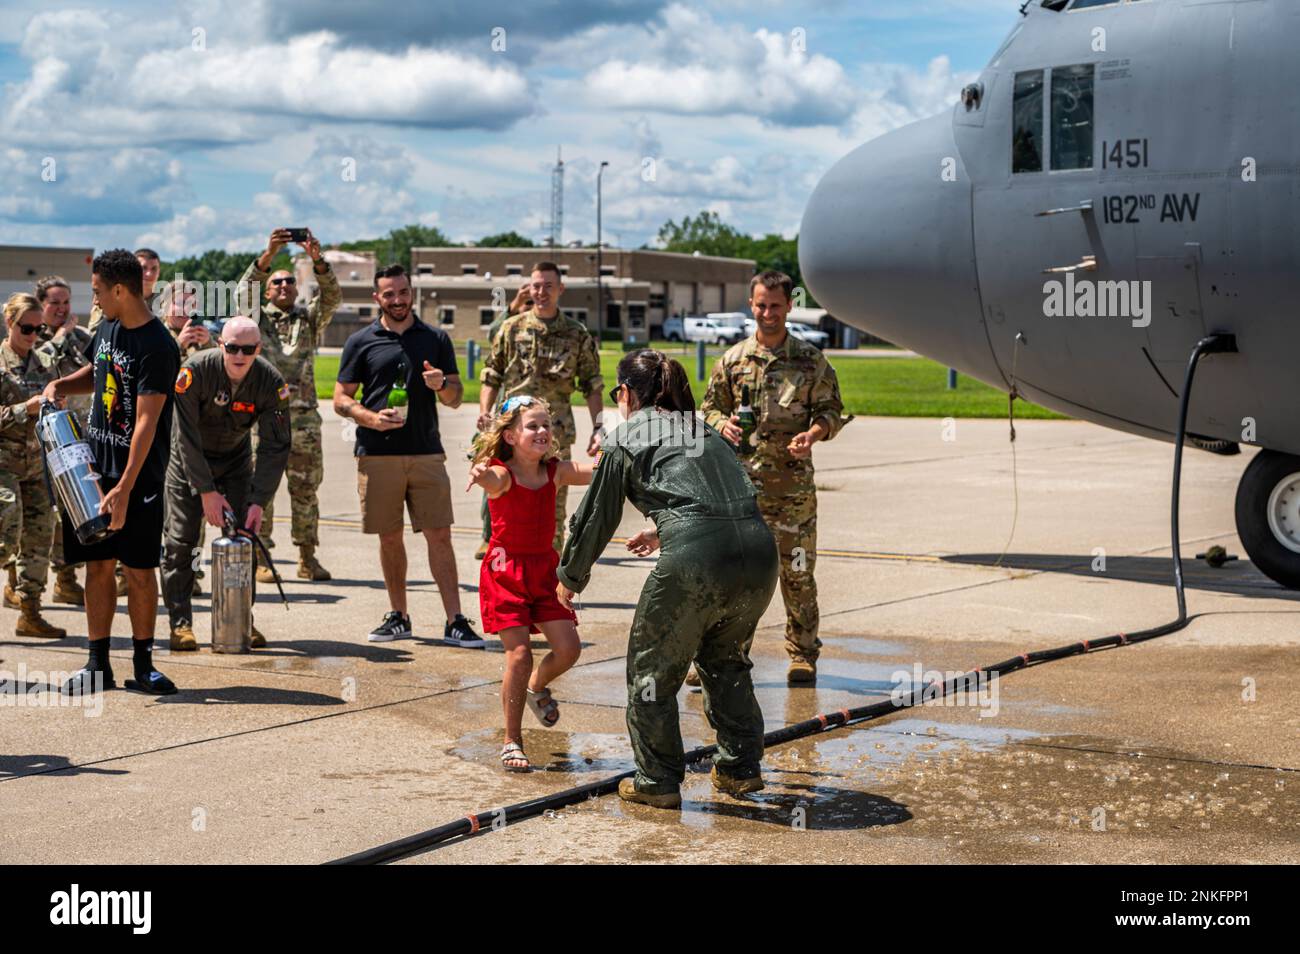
{"x":542,"y":357}
{"x":713,"y":580}
{"x":289,"y":341}
{"x":790,"y":388}
{"x":69,"y":352}
{"x":96,"y":316}
{"x":26,"y":511}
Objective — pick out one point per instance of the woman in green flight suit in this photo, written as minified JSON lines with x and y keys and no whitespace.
{"x":715,"y":575}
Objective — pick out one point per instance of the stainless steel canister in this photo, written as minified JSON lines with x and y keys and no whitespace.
{"x":70,"y":463}
{"x":232,"y":594}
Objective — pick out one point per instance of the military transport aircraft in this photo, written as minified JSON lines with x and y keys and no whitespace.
{"x":1122,"y":180}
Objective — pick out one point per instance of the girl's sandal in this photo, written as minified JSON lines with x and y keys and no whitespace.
{"x":542,"y":705}
{"x":513,"y":758}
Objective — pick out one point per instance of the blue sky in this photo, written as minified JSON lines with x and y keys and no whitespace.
{"x":208,"y":123}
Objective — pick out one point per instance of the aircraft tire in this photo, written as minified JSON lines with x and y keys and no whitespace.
{"x":1268,"y":500}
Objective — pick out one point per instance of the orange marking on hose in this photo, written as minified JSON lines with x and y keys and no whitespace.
{"x":1025,"y":657}
{"x":1123,"y":640}
{"x":473,"y":824}
{"x":823,"y":720}
{"x":1085,"y":645}
{"x":845,"y":713}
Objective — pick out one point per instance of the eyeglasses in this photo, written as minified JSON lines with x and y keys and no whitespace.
{"x":30,"y":329}
{"x":284,"y":281}
{"x":519,"y":400}
{"x":232,"y":348}
{"x":613,"y":392}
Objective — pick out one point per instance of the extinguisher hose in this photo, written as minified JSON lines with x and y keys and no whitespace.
{"x":234,"y":530}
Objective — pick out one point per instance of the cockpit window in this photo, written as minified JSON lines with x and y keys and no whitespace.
{"x":1072,"y":120}
{"x":1081,"y":4}
{"x":1027,"y":123}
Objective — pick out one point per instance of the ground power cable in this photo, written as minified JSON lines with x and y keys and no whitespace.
{"x":495,"y":819}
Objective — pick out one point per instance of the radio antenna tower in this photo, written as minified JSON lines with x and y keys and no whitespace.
{"x":557,"y":201}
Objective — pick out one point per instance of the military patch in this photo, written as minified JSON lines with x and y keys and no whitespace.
{"x":184,"y":380}
{"x":221,"y":399}
{"x":283,"y":393}
{"x":244,"y":407}
{"x":596,"y":463}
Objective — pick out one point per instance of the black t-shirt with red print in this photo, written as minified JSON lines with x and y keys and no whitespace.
{"x":130,"y":362}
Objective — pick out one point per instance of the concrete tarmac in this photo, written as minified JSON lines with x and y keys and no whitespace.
{"x":1184,"y":749}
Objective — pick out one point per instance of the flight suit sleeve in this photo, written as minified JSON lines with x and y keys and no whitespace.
{"x":325,"y":302}
{"x":187,"y":438}
{"x":718,"y":404}
{"x":589,"y":378}
{"x":825,"y":404}
{"x":274,"y":438}
{"x":593,"y":525}
{"x":498,"y":357}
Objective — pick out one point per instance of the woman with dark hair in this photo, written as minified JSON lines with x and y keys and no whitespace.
{"x":714,"y":578}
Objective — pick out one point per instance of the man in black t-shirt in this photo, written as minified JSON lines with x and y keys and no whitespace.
{"x":400,"y":457}
{"x":132,"y":370}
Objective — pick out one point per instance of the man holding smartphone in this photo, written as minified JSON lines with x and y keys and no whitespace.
{"x":291,"y":333}
{"x":132,"y":371}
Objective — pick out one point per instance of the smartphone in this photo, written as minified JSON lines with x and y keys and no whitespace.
{"x":298,"y":236}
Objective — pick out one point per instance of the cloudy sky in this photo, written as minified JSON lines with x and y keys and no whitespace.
{"x":205,"y":123}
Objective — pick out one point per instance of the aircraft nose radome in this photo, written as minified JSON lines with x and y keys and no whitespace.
{"x":886,"y":245}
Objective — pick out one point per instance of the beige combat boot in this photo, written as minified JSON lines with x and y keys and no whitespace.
{"x":183,"y":640}
{"x":32,"y":623}
{"x":730,"y":785}
{"x":11,"y":589}
{"x":67,"y":589}
{"x":309,"y":567}
{"x":256,"y":640}
{"x":627,"y":791}
{"x":802,"y":670}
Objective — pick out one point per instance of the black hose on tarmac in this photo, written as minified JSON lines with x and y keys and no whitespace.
{"x":508,"y":815}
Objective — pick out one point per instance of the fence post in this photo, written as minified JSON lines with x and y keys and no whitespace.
{"x":699,"y":361}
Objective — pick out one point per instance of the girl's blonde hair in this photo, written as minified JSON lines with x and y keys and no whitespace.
{"x":18,"y":305}
{"x":492,"y":442}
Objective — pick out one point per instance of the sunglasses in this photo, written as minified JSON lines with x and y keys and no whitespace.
{"x":249,"y":350}
{"x":284,"y":281}
{"x":30,"y":329}
{"x":522,"y":400}
{"x":613,"y":392}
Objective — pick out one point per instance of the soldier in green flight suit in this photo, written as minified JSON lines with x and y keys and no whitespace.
{"x":716,"y":573}
{"x":291,"y":334}
{"x":796,"y":399}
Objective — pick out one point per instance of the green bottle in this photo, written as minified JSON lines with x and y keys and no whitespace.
{"x":748,"y":422}
{"x":397,"y":396}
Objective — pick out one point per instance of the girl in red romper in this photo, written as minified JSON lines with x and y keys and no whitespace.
{"x":517,"y":584}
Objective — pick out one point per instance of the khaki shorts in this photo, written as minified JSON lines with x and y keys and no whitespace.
{"x":419,"y":480}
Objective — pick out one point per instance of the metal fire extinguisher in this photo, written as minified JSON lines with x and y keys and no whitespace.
{"x":70,"y":466}
{"x":232,"y":587}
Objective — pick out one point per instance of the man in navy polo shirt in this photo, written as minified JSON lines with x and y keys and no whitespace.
{"x":400,"y":458}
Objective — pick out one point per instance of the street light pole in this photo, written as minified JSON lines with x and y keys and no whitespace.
{"x":600,"y":286}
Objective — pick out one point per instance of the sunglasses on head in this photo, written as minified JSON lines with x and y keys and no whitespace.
{"x":232,"y":348}
{"x":521,"y":400}
{"x":284,"y":281}
{"x":30,"y":329}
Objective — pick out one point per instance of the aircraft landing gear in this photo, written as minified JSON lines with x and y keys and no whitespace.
{"x":1268,"y":515}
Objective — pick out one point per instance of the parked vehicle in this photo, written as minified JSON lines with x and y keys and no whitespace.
{"x":711,"y":332}
{"x":818,"y":339}
{"x":673,"y":330}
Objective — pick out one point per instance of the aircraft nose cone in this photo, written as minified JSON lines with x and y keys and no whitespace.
{"x":886,"y":245}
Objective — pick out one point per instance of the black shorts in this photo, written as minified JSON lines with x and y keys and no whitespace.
{"x":137,"y":545}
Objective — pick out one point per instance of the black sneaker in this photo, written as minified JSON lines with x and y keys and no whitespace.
{"x":458,"y":632}
{"x":394,"y":626}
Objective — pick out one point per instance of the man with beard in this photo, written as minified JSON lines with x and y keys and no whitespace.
{"x":400,"y":458}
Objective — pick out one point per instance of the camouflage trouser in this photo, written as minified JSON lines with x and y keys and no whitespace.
{"x":26,"y":531}
{"x":702,"y":602}
{"x":305,"y":471}
{"x":793,"y":521}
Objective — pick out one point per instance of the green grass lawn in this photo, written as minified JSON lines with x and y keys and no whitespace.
{"x":890,"y":387}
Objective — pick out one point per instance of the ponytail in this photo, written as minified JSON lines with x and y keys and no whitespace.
{"x":658,"y":381}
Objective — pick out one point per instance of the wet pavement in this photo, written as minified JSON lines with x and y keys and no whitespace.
{"x":1184,"y":749}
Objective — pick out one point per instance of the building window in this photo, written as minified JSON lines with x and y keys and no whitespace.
{"x":1027,"y":123}
{"x":1072,"y":119}
{"x":486,"y":316}
{"x":658,"y":300}
{"x":514,"y":269}
{"x":607,"y":270}
{"x":636,"y":315}
{"x":447,"y":315}
{"x":577,"y":314}
{"x":564,"y":269}
{"x":424,"y":269}
{"x":469,"y":269}
{"x":363,"y":311}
